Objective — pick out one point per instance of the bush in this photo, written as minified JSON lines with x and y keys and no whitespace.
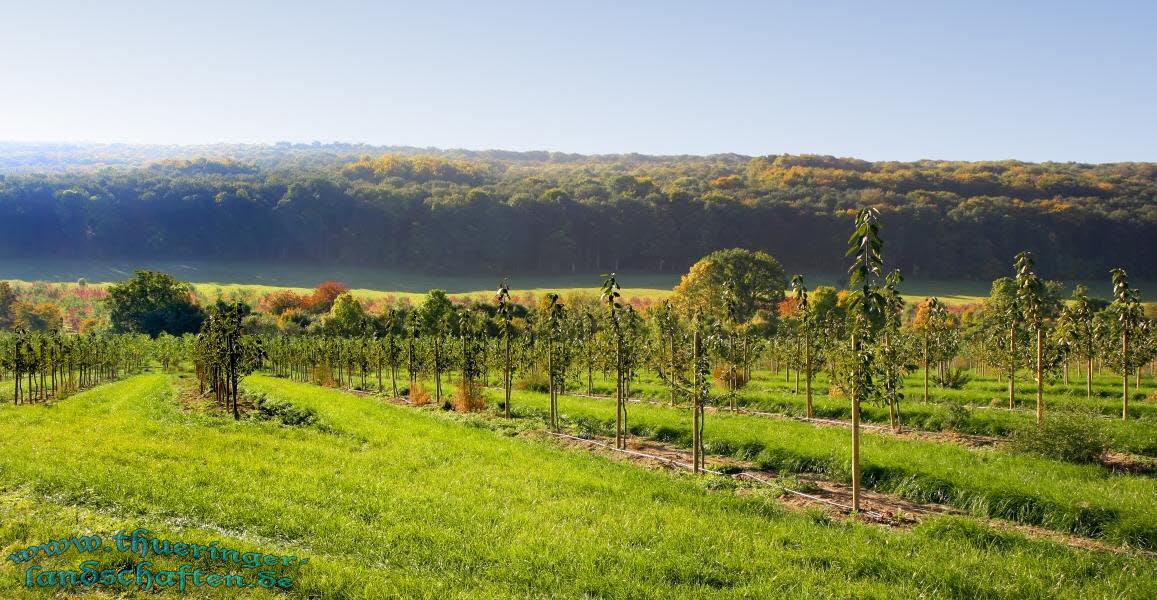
{"x":949,"y":417}
{"x":722,"y":375}
{"x":469,"y":398}
{"x":953,"y":379}
{"x":284,"y":412}
{"x":418,"y":396}
{"x":1070,"y":436}
{"x":533,"y":380}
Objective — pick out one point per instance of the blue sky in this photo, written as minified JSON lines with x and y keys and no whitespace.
{"x":877,"y":80}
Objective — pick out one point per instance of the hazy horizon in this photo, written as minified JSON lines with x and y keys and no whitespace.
{"x":388,"y":147}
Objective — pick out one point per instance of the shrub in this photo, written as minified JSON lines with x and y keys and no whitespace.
{"x":418,"y":395}
{"x":469,"y":398}
{"x":951,"y":417}
{"x":953,"y":379}
{"x":1071,"y":436}
{"x":323,"y":375}
{"x":284,"y":412}
{"x":722,"y":375}
{"x":533,"y":380}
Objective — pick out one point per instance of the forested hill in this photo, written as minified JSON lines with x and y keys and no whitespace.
{"x":498,"y":212}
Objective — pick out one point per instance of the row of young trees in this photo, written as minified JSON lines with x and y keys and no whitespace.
{"x":861,"y":336}
{"x":224,"y":352}
{"x":727,"y":314}
{"x":556,"y":345}
{"x":50,"y":365}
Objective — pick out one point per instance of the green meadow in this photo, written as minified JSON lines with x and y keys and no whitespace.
{"x":389,"y":501}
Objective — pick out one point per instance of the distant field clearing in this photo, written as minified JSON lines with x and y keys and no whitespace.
{"x":232,"y":278}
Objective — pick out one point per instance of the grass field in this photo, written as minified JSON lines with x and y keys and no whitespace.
{"x":227,"y":278}
{"x":230,"y":277}
{"x":389,"y":501}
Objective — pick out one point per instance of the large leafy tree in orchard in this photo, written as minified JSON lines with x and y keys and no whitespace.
{"x":755,"y":280}
{"x":153,"y":303}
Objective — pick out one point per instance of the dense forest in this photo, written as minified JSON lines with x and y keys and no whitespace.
{"x":503,"y":212}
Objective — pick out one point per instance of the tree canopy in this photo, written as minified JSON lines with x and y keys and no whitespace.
{"x":755,"y":280}
{"x":443,"y":211}
{"x":153,"y":303}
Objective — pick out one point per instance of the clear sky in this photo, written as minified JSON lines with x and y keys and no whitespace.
{"x":878,"y":80}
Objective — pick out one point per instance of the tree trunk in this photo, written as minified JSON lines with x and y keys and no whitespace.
{"x":1040,"y":373}
{"x":796,"y":391}
{"x":1089,"y":378}
{"x":855,"y":437}
{"x":1125,"y":374}
{"x":671,"y":374}
{"x":1012,"y":368}
{"x":620,"y":440}
{"x":506,"y":376}
{"x":696,"y":418}
{"x":808,"y":377}
{"x":550,"y":378}
{"x":926,"y":367}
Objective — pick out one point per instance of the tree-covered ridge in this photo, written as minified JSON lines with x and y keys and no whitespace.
{"x":501,"y":212}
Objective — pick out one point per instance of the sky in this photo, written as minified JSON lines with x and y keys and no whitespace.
{"x":966,"y":80}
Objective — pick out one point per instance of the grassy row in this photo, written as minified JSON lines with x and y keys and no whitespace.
{"x":965,"y":411}
{"x":1083,"y":499}
{"x":391,"y":502}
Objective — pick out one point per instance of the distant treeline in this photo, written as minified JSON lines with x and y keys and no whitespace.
{"x":500,"y":212}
